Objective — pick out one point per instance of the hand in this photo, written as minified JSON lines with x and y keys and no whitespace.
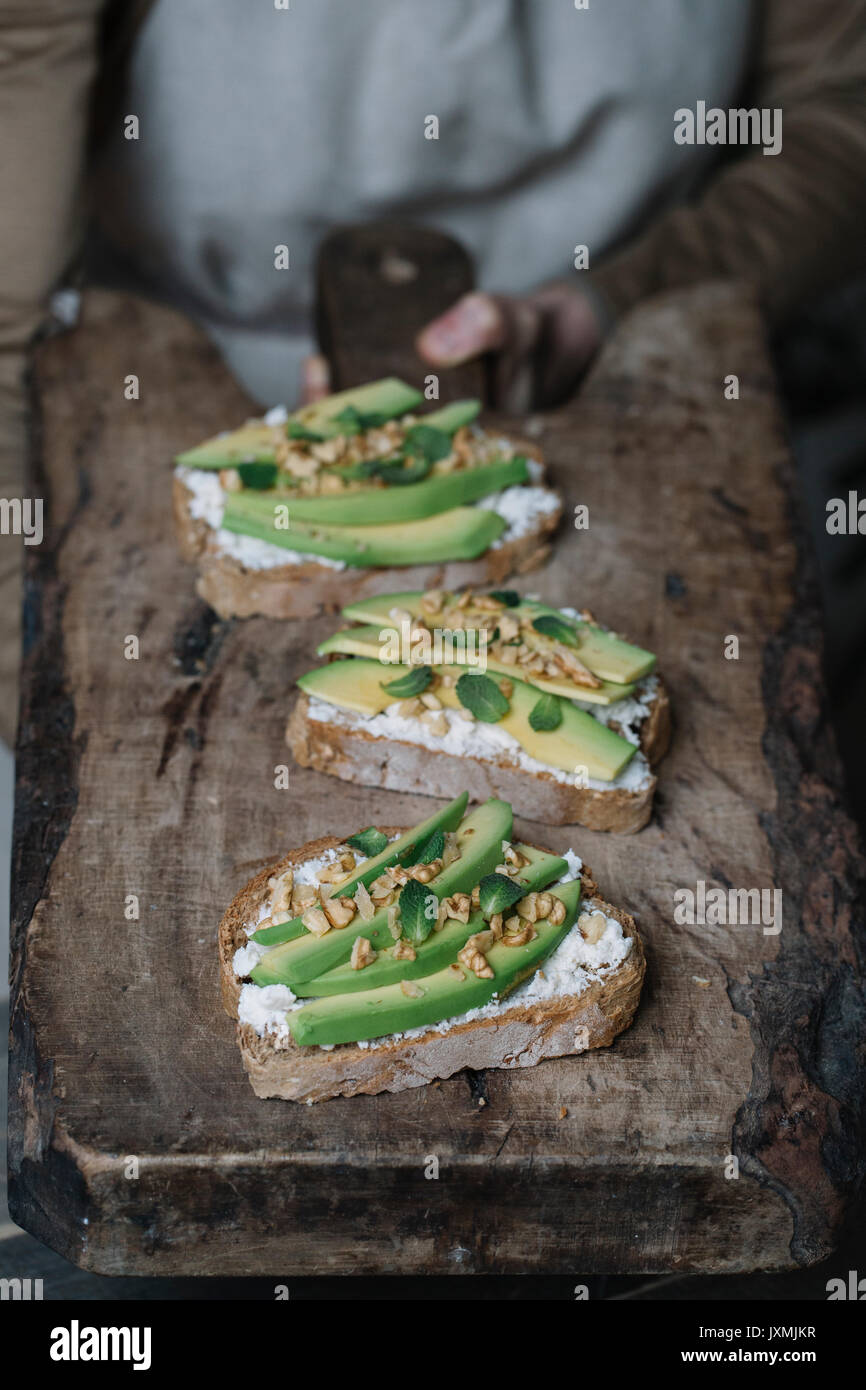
{"x":542,"y":343}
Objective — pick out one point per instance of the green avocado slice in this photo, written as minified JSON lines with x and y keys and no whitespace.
{"x":254,"y":442}
{"x":439,"y":948}
{"x":386,"y":399}
{"x":448,"y":818}
{"x":447,"y":993}
{"x":380,"y":505}
{"x":463,"y":533}
{"x":606,"y":655}
{"x":453,"y":416}
{"x":580,"y":741}
{"x":373,"y":640}
{"x":479,"y":838}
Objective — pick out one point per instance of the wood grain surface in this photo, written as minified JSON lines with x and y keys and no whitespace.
{"x":155,"y":777}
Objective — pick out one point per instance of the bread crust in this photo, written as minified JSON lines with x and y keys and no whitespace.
{"x":306,"y":590}
{"x":354,"y":755}
{"x":521,"y":1037}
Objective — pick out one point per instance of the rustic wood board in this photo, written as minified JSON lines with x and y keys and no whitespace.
{"x":155,"y":777}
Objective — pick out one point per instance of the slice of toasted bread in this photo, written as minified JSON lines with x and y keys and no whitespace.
{"x":345,"y":749}
{"x":302,"y":590}
{"x":518,"y":1036}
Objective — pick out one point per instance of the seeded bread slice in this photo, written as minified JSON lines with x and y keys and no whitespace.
{"x":307,"y":589}
{"x":522,"y":1036}
{"x":355,"y":755}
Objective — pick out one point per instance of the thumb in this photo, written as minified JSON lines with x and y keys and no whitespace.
{"x":475,"y":324}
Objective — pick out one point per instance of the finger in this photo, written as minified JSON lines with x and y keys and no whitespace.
{"x":315,"y":379}
{"x":513,"y":385}
{"x":475,"y":324}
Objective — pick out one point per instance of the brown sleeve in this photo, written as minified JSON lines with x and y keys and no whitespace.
{"x":791,"y":224}
{"x":47,"y":60}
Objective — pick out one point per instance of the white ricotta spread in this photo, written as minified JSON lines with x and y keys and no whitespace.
{"x":265,"y":1008}
{"x":486,"y":742}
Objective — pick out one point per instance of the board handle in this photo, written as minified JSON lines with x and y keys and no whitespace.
{"x":377,"y":285}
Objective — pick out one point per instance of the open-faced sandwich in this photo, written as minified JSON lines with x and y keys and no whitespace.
{"x":539,"y":705}
{"x":388,"y":959}
{"x":293,"y":514}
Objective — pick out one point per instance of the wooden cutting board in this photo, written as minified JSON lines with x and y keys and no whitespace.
{"x":718,"y":1134}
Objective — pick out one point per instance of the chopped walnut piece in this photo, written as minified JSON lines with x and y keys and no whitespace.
{"x":423,"y":873}
{"x":436,"y":722}
{"x":593,"y":926}
{"x":488,"y":604}
{"x":465,"y":599}
{"x":364,"y":903}
{"x":458,"y":907}
{"x":556,"y":915}
{"x":301,"y":465}
{"x":527,"y":908}
{"x":381,"y":888}
{"x":543,"y":904}
{"x":339,"y":911}
{"x":507,"y":687}
{"x":430,"y":700}
{"x":303,"y":896}
{"x":432,"y":601}
{"x":347,"y":859}
{"x":362,"y":953}
{"x":395,"y":873}
{"x":409,"y":709}
{"x":332,"y":873}
{"x":509,"y":627}
{"x":519,"y":938}
{"x":404,"y":950}
{"x":281,"y":891}
{"x":473,"y":954}
{"x":513,"y":856}
{"x":457,"y":971}
{"x":230,"y":480}
{"x":394,"y":926}
{"x":495,"y":925}
{"x":475,"y":896}
{"x":410,"y":989}
{"x":315,"y":921}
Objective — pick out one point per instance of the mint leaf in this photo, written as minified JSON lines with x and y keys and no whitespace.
{"x":549,"y":625}
{"x":412,"y":683}
{"x":546,"y":714}
{"x":427,"y":442}
{"x":496,"y":893}
{"x":354,"y":421}
{"x":510,"y":597}
{"x":419,"y":909}
{"x":295,"y":430}
{"x":259,"y":476}
{"x":368,"y":842}
{"x":396,"y":473}
{"x":431,"y":848}
{"x":483,"y":697}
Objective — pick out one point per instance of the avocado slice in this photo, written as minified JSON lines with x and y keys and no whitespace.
{"x":479,"y":838}
{"x":365,"y":641}
{"x":379,"y":505}
{"x":448,"y":818}
{"x":254,"y":442}
{"x":579,"y":741}
{"x":387,"y":398}
{"x":447,"y":993}
{"x":453,"y":416}
{"x":463,"y":533}
{"x":439,"y":948}
{"x":606,"y":655}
